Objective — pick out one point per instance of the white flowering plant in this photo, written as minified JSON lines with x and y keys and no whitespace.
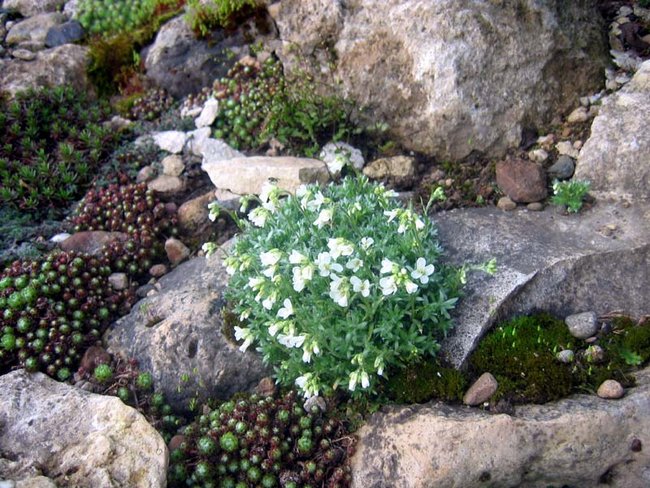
{"x":334,"y":285}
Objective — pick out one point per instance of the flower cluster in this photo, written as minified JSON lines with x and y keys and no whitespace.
{"x":335,"y":284}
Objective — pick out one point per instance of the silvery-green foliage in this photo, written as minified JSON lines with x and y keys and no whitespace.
{"x":335,"y":285}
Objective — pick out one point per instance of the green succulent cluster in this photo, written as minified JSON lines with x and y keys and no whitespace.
{"x":257,"y":105}
{"x":245,"y":96}
{"x":113,"y":16}
{"x":123,"y":378}
{"x":148,"y":105}
{"x":262,"y":442}
{"x":52,"y":309}
{"x":52,"y":146}
{"x":204,"y":17}
{"x":135,"y":211}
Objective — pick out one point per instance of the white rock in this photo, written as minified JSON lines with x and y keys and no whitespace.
{"x":78,"y":438}
{"x":173,"y":165}
{"x":217,"y":150}
{"x":581,"y":114}
{"x":119,"y":281}
{"x":208,"y":113}
{"x":59,"y":237}
{"x":582,"y":325}
{"x":334,"y":154}
{"x":628,"y":60}
{"x":247,"y":175}
{"x":566,"y":148}
{"x":196,"y":140}
{"x":172,"y":141}
{"x":538,"y":155}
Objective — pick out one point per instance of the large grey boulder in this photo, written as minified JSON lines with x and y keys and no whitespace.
{"x":63,"y":65}
{"x":183,"y":64}
{"x":28,"y":8}
{"x":75,"y":438}
{"x":615,"y":159}
{"x":583,"y":441}
{"x":550,"y":262}
{"x":450,"y":76}
{"x":177,"y":335}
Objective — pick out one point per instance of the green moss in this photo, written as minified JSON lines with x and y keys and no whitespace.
{"x":521,"y":356}
{"x":424,"y":381}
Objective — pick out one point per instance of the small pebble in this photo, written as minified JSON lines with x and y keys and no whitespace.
{"x":577,"y":145}
{"x":546,"y":140}
{"x":23,"y":54}
{"x":481,"y":391}
{"x":563,"y":168}
{"x":173,"y":165}
{"x":317,"y":401}
{"x":566,"y":148}
{"x":59,"y":237}
{"x":566,"y":356}
{"x":119,"y":281}
{"x":538,"y":155}
{"x":594,"y":354}
{"x":506,"y":204}
{"x":266,"y":387}
{"x":582,"y":325}
{"x":610,"y":390}
{"x":535,"y":206}
{"x":158,"y":270}
{"x":146,"y":174}
{"x":581,"y":114}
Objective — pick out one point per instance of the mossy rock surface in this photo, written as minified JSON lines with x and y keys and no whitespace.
{"x":522,"y":356}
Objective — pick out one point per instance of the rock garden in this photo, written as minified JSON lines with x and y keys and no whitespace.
{"x":303,"y":243}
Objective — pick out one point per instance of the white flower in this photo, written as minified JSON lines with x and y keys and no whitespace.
{"x":379,"y":364}
{"x":324,"y":217}
{"x":274,"y":328}
{"x":297,"y":258}
{"x":301,"y":275}
{"x":291,"y":341}
{"x":255,"y":283}
{"x":258,"y":216}
{"x":388,"y":285}
{"x":354,"y":264}
{"x":391,"y":214}
{"x":422,"y":271}
{"x":298,"y":281}
{"x":365,"y":380}
{"x":308,"y":349}
{"x":354,"y":378}
{"x":271,"y":257}
{"x":301,"y":191}
{"x":359,"y":286}
{"x":336,"y":164}
{"x":339,"y":291}
{"x":301,"y":381}
{"x":269,"y":301}
{"x":366,"y":242}
{"x":287,"y":310}
{"x":267,"y":189}
{"x":391,"y":194}
{"x":340,"y":247}
{"x":387,"y":266}
{"x":325,"y":264}
{"x":315,"y":203}
{"x":410,"y":287}
{"x":270,"y":271}
{"x":246,"y":335}
{"x":231,"y":265}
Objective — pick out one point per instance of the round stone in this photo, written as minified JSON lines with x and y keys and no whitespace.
{"x":566,"y":356}
{"x":611,"y":390}
{"x":582,"y":325}
{"x":506,"y":204}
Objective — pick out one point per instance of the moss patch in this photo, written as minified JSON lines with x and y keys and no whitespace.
{"x":522,"y":356}
{"x":424,"y":381}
